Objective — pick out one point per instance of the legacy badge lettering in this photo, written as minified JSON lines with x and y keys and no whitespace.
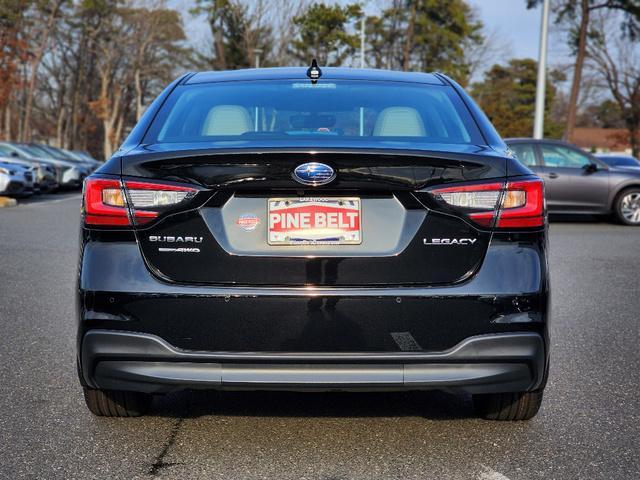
{"x":450,"y":241}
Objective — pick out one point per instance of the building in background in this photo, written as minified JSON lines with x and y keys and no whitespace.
{"x":602,"y":139}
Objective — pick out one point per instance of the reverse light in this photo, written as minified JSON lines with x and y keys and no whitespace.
{"x":151,"y":195}
{"x":482,"y":196}
{"x":106,"y":201}
{"x":512,"y":205}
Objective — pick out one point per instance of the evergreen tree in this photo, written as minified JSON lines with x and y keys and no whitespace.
{"x":324,"y":34}
{"x":508,"y":96}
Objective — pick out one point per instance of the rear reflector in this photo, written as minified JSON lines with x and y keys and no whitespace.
{"x":105,"y":201}
{"x":514,"y":205}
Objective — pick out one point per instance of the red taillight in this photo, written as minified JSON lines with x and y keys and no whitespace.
{"x":518,"y":204}
{"x":96,"y":211}
{"x":106,"y":201}
{"x":531,"y":213}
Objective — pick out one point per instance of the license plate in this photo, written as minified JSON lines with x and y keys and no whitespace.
{"x":314,"y":221}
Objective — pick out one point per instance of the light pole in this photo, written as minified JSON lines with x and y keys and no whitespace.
{"x":538,"y":123}
{"x":362,"y":41}
{"x":256,"y":54}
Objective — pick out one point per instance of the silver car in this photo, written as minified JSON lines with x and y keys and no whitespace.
{"x":577,"y":182}
{"x":84,"y":155}
{"x":44,"y":175}
{"x":60,"y":154}
{"x":16,"y":180}
{"x":68,"y":174}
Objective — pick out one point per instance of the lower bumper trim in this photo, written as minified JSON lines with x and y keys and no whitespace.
{"x":482,"y":364}
{"x":162,"y":377}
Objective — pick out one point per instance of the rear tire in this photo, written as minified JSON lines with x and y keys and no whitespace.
{"x":113,"y":403}
{"x":626,"y":207}
{"x":508,"y":406}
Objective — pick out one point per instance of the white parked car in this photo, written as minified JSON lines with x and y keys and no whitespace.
{"x":16,"y":180}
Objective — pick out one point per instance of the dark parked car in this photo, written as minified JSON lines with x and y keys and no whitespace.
{"x":577,"y":182}
{"x":276,"y":229}
{"x":619,"y":160}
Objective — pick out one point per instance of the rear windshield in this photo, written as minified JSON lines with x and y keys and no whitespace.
{"x":350,"y":110}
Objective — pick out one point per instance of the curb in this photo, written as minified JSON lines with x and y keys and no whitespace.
{"x":7,"y":202}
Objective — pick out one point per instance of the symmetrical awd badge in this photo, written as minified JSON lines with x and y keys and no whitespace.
{"x":176,"y":239}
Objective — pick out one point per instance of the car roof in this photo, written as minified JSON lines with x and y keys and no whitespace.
{"x":538,"y":140}
{"x":328,"y":73}
{"x":617,"y":155}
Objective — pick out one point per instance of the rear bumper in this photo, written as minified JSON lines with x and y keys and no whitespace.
{"x":506,"y":362}
{"x":118,"y":292}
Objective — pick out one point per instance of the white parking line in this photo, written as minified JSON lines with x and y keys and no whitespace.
{"x":489,"y":473}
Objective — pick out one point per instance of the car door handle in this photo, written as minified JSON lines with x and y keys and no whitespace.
{"x":553,"y":175}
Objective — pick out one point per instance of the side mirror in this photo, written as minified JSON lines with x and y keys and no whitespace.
{"x":590,"y":168}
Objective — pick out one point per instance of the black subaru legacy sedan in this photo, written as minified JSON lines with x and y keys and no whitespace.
{"x":313,"y":230}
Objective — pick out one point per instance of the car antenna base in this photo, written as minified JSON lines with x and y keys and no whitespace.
{"x":314,"y":72}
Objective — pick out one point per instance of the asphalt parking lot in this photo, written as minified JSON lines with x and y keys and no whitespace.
{"x":588,"y":428}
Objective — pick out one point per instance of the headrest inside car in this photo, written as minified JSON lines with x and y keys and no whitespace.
{"x":227,"y":120}
{"x":399,"y":122}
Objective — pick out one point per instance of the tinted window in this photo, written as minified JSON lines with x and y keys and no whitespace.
{"x":277,"y":110}
{"x":526,"y":153}
{"x":14,"y":149}
{"x":559,"y":156}
{"x":5,"y":151}
{"x":34,"y":152}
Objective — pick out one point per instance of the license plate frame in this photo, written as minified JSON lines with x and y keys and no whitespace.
{"x":343,"y":221}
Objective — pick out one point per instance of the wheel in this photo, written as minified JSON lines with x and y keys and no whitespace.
{"x":113,"y":403}
{"x":626,"y":207}
{"x":508,"y":406}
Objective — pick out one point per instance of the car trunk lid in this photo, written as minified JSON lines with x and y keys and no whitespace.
{"x":225,"y":234}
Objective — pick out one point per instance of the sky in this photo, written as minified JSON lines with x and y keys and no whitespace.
{"x":515,"y":26}
{"x":519,"y":28}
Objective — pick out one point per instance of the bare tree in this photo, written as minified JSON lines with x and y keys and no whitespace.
{"x":617,"y":63}
{"x":579,"y":14}
{"x":281,"y":14}
{"x":47,"y":18}
{"x":480,"y":55}
{"x":581,"y":52}
{"x":155,"y":31}
{"x":408,"y":42}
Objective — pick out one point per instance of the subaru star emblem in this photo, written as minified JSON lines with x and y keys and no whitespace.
{"x":314,"y":174}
